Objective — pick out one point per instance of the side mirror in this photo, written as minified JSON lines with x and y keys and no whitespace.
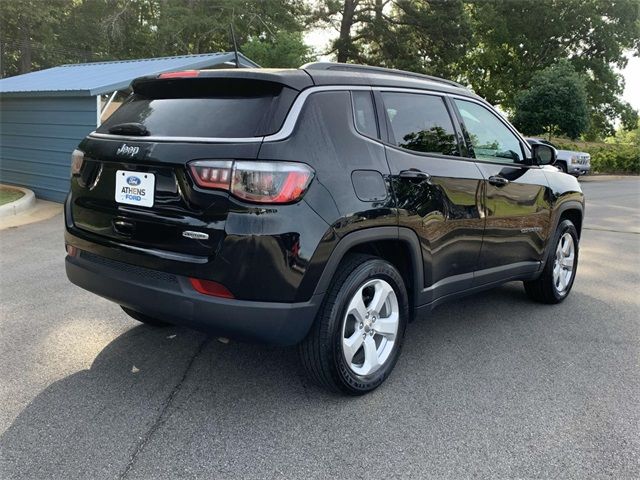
{"x":543,"y":154}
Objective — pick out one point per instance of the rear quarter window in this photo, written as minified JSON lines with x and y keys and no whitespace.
{"x":364,"y":113}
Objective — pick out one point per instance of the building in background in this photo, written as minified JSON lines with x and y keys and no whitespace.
{"x":45,"y":114}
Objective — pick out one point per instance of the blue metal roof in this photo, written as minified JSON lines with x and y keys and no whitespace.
{"x":104,"y":77}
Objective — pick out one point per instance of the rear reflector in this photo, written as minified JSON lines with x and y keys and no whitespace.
{"x":71,"y":250}
{"x":77,"y":159}
{"x":208,"y":287}
{"x":182,"y":74}
{"x":257,"y":182}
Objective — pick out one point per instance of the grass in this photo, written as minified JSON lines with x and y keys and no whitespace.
{"x":9,"y":195}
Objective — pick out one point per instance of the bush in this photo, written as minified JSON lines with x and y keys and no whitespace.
{"x":607,"y":157}
{"x":556,"y":102}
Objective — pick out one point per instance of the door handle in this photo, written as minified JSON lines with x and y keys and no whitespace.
{"x":498,"y":181}
{"x":414,"y":174}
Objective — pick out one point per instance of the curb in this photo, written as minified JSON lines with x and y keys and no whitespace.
{"x":24,"y":203}
{"x":604,"y":177}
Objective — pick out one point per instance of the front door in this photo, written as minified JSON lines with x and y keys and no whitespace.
{"x":438,"y":191}
{"x":516,"y":197}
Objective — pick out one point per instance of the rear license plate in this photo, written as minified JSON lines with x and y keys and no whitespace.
{"x":135,"y":188}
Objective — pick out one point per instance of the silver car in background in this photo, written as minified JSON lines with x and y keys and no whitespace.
{"x":573,"y":163}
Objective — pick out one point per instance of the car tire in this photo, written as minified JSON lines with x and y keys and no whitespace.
{"x":154,"y":322}
{"x":345,"y":326}
{"x":562,"y":166}
{"x":559,"y":273}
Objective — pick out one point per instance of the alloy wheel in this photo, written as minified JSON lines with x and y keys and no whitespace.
{"x":370,"y":327}
{"x":563,"y":263}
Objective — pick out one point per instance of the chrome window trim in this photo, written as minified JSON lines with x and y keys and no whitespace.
{"x":285,"y":131}
{"x":291,"y":119}
{"x":429,"y":91}
{"x":159,"y":138}
{"x":377,"y":138}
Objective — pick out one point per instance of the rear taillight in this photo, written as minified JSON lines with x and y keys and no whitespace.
{"x":212,"y":174}
{"x":77,"y":157}
{"x":258,"y":182}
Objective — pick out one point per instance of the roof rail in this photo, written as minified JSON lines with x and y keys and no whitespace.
{"x":350,"y":67}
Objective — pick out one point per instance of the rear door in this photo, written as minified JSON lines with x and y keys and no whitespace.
{"x":135,"y":187}
{"x":437,"y":189}
{"x":516,"y":197}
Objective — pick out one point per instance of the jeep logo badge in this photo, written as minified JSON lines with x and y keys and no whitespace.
{"x":127,"y":150}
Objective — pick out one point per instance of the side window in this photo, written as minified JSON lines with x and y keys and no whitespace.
{"x":364,"y":113}
{"x":490,"y":138}
{"x":420,"y":122}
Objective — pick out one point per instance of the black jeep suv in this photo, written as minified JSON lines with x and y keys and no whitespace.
{"x":325,"y":206}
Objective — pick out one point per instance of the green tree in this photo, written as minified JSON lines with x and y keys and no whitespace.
{"x":28,"y":29}
{"x":284,"y":50}
{"x":628,"y":117}
{"x":423,"y":36}
{"x":199,"y":26}
{"x":110,"y":29}
{"x":417,"y":35}
{"x":346,"y":17}
{"x":36,"y":34}
{"x":516,"y":39}
{"x":495,"y":46}
{"x":555,"y":104}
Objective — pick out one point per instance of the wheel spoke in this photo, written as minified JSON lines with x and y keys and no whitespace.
{"x":567,"y":262}
{"x":567,"y":278}
{"x":382,"y":291}
{"x":370,"y":356}
{"x":351,"y":345}
{"x":559,"y":251}
{"x":563,"y":281}
{"x":566,"y":246}
{"x":357,"y":307}
{"x":387,"y":327}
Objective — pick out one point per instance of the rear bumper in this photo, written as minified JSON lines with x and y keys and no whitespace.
{"x":171,"y":298}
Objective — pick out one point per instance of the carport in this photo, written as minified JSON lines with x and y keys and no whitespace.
{"x":45,"y":114}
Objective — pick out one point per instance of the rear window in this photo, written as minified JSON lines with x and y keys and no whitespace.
{"x":191,"y":108}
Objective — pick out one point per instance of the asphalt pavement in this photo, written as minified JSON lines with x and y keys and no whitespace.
{"x":493,"y":386}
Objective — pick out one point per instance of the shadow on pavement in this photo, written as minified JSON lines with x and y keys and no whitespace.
{"x":85,"y":424}
{"x":486,"y":371}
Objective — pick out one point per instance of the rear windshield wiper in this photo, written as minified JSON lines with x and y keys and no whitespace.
{"x":129,"y":129}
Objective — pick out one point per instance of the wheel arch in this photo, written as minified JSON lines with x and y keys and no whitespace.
{"x":569,"y":209}
{"x":575,"y":216}
{"x":400,"y":246}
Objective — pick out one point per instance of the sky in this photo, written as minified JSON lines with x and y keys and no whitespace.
{"x":319,"y":39}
